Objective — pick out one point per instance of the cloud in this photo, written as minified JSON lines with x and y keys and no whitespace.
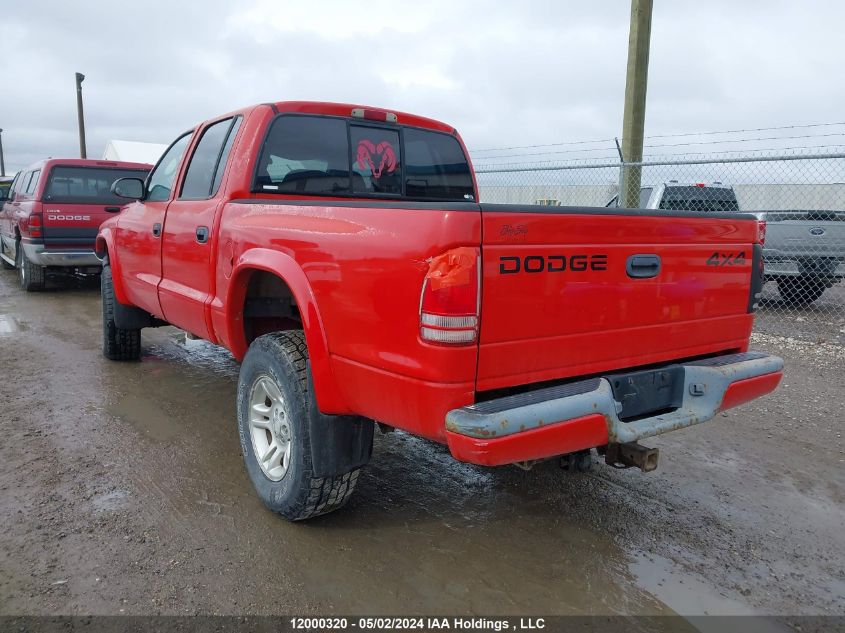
{"x":502,"y":73}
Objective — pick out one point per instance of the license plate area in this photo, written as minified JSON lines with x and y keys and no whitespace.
{"x":647,"y":392}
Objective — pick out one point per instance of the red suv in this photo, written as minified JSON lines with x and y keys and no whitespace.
{"x":51,"y":214}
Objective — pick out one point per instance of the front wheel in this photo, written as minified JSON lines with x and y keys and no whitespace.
{"x":800,"y":291}
{"x":274,"y":405}
{"x":118,"y":343}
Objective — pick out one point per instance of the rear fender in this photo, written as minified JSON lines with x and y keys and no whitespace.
{"x":104,"y":247}
{"x":329,"y":399}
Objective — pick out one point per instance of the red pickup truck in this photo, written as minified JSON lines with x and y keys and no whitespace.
{"x":341,"y":253}
{"x":50,"y":215}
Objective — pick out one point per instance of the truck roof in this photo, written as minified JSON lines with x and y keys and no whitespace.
{"x":327,"y":108}
{"x":47,"y":163}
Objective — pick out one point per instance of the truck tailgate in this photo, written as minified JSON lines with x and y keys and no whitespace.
{"x":570,"y":291}
{"x":73,"y":226}
{"x":805,"y":234}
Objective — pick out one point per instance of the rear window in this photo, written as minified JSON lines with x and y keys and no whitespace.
{"x":87,"y":185}
{"x":334,"y":156}
{"x":707,"y":199}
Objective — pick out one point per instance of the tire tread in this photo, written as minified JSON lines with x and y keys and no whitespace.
{"x":118,"y":344}
{"x":322,"y":494}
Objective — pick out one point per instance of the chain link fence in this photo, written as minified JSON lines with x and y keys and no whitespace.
{"x":801,"y":196}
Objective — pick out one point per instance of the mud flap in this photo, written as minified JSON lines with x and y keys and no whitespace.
{"x":339,"y":443}
{"x":132,"y":318}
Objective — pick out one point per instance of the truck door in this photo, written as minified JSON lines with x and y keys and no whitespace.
{"x":139,"y":231}
{"x":188,"y":245}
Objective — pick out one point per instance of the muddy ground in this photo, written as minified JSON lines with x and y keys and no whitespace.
{"x":122,"y":492}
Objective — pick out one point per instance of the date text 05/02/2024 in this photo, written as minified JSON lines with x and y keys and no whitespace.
{"x":417,"y":623}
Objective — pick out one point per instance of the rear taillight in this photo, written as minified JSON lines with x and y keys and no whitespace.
{"x":450,"y":298}
{"x":761,"y":231}
{"x":755,"y":292}
{"x":32,"y":225}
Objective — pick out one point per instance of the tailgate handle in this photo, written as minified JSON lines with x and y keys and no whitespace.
{"x":112,"y":209}
{"x":643,"y":266}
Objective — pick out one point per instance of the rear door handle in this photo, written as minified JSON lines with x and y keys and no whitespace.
{"x":202,"y":234}
{"x":643,"y":266}
{"x":157,"y":229}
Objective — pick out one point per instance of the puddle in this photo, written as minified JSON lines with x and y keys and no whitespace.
{"x":690,"y":597}
{"x":10,"y":325}
{"x":145,"y":414}
{"x":110,"y":501}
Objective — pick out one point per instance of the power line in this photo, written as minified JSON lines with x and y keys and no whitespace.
{"x":573,"y":162}
{"x":710,"y":133}
{"x":498,"y":149}
{"x":758,"y":129}
{"x":562,"y":151}
{"x":748,"y":140}
{"x":719,"y":142}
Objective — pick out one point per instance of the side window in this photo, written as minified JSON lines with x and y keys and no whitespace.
{"x":33,"y":182}
{"x":201,"y":179}
{"x":17,"y":185}
{"x":224,"y":155}
{"x":12,"y":186}
{"x":305,"y":154}
{"x":163,"y":175}
{"x":376,"y":160}
{"x":436,"y":167}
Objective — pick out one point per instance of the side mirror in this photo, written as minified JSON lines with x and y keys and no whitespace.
{"x":132,"y":188}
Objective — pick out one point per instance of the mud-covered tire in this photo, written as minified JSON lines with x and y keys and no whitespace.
{"x":282,"y":357}
{"x":118,"y":344}
{"x":800,"y":291}
{"x":31,"y":276}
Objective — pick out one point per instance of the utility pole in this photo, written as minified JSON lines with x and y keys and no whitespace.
{"x":2,"y":161}
{"x":80,"y":116}
{"x":636,"y":82}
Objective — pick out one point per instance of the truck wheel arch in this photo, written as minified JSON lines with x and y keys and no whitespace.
{"x":289,"y":273}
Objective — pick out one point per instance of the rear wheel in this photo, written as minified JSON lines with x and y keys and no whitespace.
{"x":31,"y":275}
{"x":800,"y":291}
{"x":274,"y":404}
{"x":118,"y":343}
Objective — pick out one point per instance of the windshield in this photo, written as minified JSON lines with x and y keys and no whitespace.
{"x":87,"y":185}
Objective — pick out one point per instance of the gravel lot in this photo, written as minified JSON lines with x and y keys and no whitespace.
{"x":122,"y":492}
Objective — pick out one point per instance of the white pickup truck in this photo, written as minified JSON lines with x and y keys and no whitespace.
{"x":804,"y":251}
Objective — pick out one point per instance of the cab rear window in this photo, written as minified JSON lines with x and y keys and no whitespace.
{"x":334,"y":156}
{"x":691,"y":198}
{"x":86,"y":185}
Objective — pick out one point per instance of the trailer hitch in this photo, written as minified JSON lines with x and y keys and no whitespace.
{"x":631,"y":454}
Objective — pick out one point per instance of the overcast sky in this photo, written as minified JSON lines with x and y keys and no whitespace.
{"x":504,"y":73}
